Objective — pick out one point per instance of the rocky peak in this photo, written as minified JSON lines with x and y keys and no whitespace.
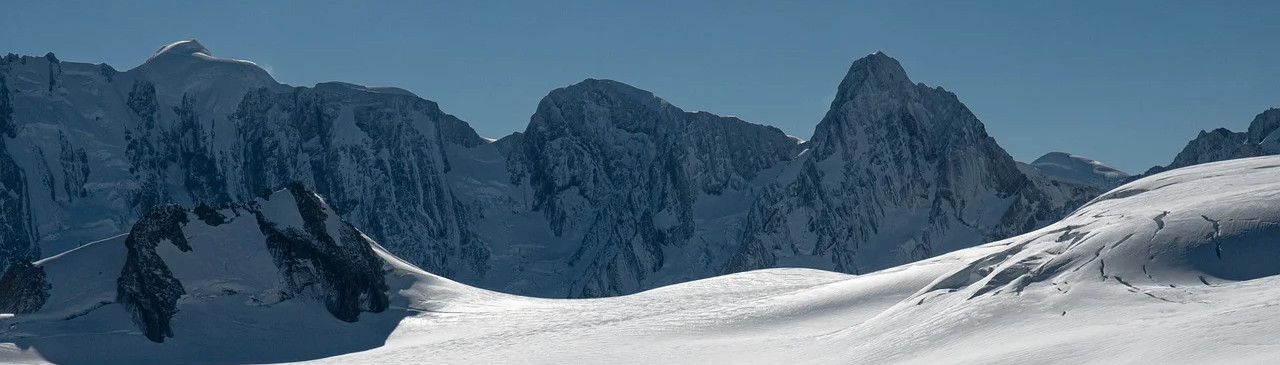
{"x":1221,"y":144}
{"x":610,"y":88}
{"x":1263,"y":130}
{"x":617,"y":172}
{"x":595,"y":108}
{"x":899,"y":172}
{"x":877,"y":73}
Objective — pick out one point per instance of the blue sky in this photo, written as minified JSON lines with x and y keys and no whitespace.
{"x":1127,"y":83}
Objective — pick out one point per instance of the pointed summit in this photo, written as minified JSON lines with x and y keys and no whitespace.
{"x":876,"y":71}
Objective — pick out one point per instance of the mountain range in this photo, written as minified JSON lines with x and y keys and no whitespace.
{"x":194,"y":210}
{"x":610,"y":190}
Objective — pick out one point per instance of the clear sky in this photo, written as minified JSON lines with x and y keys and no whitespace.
{"x":1125,"y":82}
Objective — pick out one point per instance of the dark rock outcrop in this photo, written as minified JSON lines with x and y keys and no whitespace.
{"x":146,"y":287}
{"x":342,"y":271}
{"x":325,"y":259}
{"x":23,"y":288}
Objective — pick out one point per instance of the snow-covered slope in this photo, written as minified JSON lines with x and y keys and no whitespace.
{"x":1077,"y":169}
{"x":1174,"y":268}
{"x":236,"y":284}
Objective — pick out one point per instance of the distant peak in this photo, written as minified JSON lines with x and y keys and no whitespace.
{"x":875,"y":71}
{"x":177,"y":61}
{"x":1264,"y":125}
{"x":1054,"y":155}
{"x":187,"y":47}
{"x":879,"y":62}
{"x":371,"y":89}
{"x":612,"y":87}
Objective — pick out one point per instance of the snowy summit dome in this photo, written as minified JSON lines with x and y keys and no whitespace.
{"x":187,"y":47}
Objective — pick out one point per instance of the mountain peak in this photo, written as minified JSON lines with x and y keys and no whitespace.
{"x":189,"y":67}
{"x":1078,"y":169}
{"x":876,"y":70}
{"x":187,"y":47}
{"x":1264,"y":125}
{"x":1053,"y":156}
{"x":609,"y":87}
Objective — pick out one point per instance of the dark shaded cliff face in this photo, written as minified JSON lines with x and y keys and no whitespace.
{"x":24,"y":288}
{"x":16,"y":238}
{"x":616,"y":172}
{"x":377,"y":158}
{"x":323,"y":259}
{"x":341,"y":271}
{"x":147,"y":288}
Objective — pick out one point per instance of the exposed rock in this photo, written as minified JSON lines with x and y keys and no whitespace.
{"x":24,"y":287}
{"x":1222,"y":144}
{"x":610,"y":190}
{"x":342,"y":271}
{"x":896,"y":172}
{"x":146,"y":287}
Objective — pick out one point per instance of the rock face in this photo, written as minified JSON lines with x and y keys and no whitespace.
{"x":619,"y":175}
{"x":286,"y":246}
{"x":25,"y":288}
{"x":147,"y":288}
{"x":895,"y":172}
{"x":16,"y":238}
{"x":341,"y":271}
{"x":1262,"y":138}
{"x":610,"y":190}
{"x":88,"y":150}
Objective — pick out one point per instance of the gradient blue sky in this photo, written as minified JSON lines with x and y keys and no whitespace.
{"x":1127,"y":83}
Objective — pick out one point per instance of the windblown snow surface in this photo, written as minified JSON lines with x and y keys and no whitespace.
{"x":1177,"y":267}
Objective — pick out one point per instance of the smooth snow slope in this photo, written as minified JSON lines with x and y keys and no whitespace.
{"x":1178,"y":267}
{"x":1077,"y":169}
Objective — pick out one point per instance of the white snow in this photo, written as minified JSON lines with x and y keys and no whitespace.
{"x":1078,"y":169}
{"x":1178,"y":267}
